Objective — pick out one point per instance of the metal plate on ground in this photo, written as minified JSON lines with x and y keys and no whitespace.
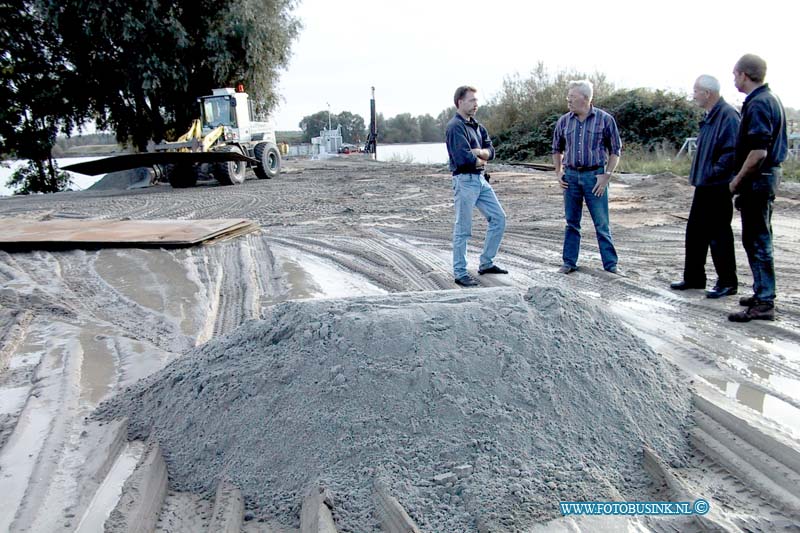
{"x":64,"y":234}
{"x":148,"y":159}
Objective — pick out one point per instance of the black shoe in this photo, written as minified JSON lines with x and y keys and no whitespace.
{"x":683,"y":285}
{"x":467,"y":281}
{"x":748,"y":301}
{"x":494,"y":269}
{"x":719,"y":292}
{"x":567,"y":269}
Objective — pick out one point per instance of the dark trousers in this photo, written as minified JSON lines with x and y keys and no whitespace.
{"x":710,"y":226}
{"x":755,"y":206}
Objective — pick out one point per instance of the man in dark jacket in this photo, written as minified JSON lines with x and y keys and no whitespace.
{"x":761,"y":147}
{"x":712,"y":206}
{"x":469,"y":148}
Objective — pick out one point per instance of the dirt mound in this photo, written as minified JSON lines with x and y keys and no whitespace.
{"x":544,"y":395}
{"x":124,"y":179}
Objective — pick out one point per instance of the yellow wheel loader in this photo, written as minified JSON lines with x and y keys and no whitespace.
{"x":222,"y":144}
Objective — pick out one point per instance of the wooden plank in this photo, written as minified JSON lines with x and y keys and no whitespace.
{"x":142,"y":495}
{"x":315,"y":516}
{"x":394,"y":518}
{"x":21,"y":234}
{"x":228,"y":513}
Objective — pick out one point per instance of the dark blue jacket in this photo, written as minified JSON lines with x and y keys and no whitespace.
{"x":462,"y":137}
{"x":763,"y":128}
{"x":715,"y":160}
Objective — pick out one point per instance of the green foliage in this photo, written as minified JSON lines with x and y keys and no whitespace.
{"x":428,"y":129}
{"x":35,"y":76}
{"x":88,"y":144}
{"x":400,"y":129}
{"x":652,"y":118}
{"x":135,"y":67}
{"x":791,"y":170}
{"x":353,"y":129}
{"x":523,"y":116}
{"x":290,"y":137}
{"x":654,"y":159}
{"x":523,"y":100}
{"x":39,"y":177}
{"x":143,"y":64}
{"x":527,"y":140}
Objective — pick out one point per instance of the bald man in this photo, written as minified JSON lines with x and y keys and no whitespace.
{"x":710,"y":217}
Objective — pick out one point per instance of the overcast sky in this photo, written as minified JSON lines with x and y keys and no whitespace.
{"x":416,"y":52}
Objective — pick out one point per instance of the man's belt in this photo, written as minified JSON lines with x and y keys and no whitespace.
{"x":585,"y":169}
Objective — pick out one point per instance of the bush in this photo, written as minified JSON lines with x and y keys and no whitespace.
{"x":652,"y":119}
{"x":38,"y":177}
{"x":523,"y":116}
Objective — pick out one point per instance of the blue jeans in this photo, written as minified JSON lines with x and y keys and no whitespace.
{"x":472,"y":190}
{"x":580,"y":190}
{"x":755,"y":206}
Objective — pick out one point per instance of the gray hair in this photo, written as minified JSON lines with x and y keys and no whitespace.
{"x":584,"y":87}
{"x":709,"y":83}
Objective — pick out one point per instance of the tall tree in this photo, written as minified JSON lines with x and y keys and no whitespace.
{"x":313,"y":124}
{"x":143,"y":63}
{"x":34,"y":77}
{"x":402,"y":128}
{"x":428,"y":130}
{"x":353,"y":127}
{"x":135,"y":66}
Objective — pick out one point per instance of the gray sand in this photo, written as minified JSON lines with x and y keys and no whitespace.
{"x":545,"y":395}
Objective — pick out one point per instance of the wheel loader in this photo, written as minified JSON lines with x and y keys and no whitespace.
{"x":222,"y":144}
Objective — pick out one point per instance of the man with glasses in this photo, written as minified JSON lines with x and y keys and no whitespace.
{"x":586,"y":150}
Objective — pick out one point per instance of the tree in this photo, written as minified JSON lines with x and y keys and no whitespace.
{"x":521,"y":99}
{"x":313,"y":124}
{"x":34,"y":77}
{"x":402,"y":128}
{"x":428,"y":130}
{"x":442,"y":119}
{"x":138,"y":67}
{"x":353,"y":128}
{"x":653,"y":118}
{"x":144,"y":63}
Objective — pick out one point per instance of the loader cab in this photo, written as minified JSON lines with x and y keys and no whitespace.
{"x":228,"y":108}
{"x":218,"y":111}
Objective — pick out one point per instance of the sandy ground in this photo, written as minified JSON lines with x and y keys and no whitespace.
{"x":77,"y":327}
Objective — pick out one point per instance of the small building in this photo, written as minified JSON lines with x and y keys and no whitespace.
{"x":328,"y":142}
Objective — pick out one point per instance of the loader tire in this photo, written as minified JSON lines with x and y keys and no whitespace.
{"x":269,"y":161}
{"x":230,"y":172}
{"x":181,"y":176}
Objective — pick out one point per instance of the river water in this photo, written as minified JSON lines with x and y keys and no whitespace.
{"x":413,"y":153}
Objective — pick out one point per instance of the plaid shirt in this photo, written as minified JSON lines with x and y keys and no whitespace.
{"x":587,"y":143}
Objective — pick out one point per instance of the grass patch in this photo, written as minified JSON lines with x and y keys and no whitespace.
{"x":791,"y":170}
{"x":638,"y":160}
{"x":397,"y":157}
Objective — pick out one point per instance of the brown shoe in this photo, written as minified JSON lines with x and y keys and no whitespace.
{"x":760,"y":311}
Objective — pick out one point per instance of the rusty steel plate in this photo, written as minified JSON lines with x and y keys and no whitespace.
{"x":22,"y":234}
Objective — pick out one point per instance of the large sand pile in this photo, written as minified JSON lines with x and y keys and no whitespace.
{"x":545,"y":395}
